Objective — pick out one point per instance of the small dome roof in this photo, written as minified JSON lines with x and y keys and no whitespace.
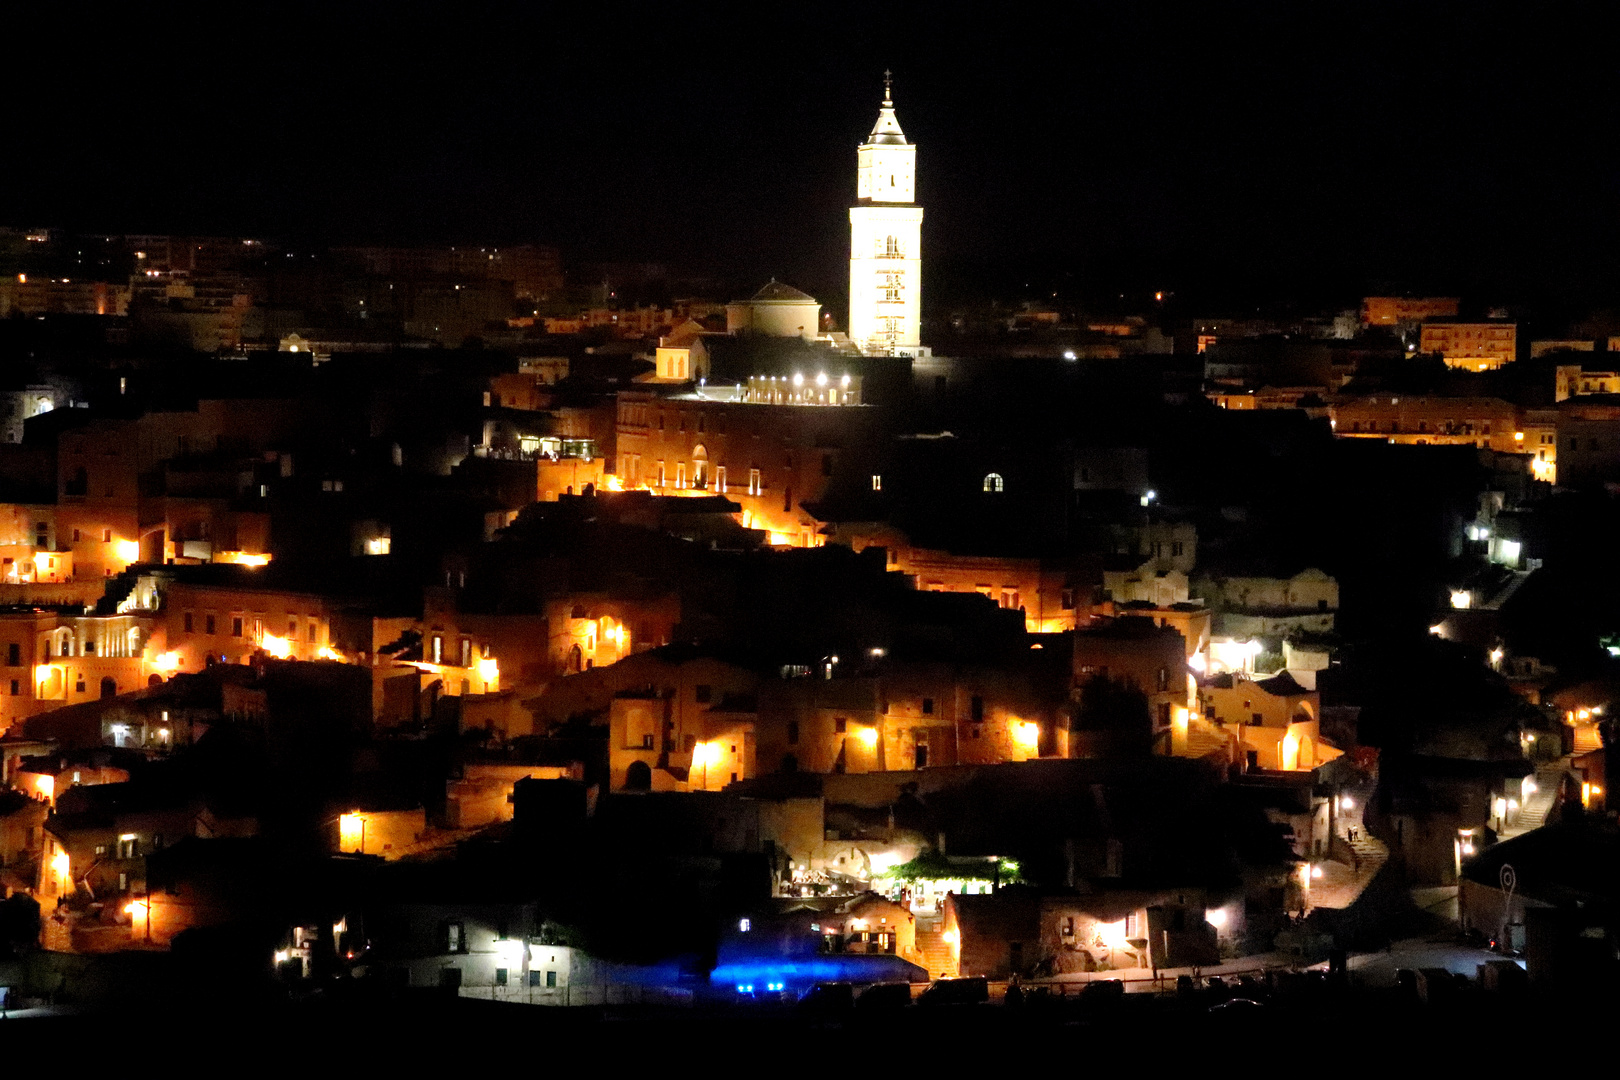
{"x":776,"y":290}
{"x":886,"y":132}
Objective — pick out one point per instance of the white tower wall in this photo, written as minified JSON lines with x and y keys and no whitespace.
{"x":885,"y":256}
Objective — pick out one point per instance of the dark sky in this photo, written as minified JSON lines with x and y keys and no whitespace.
{"x":1301,"y":147}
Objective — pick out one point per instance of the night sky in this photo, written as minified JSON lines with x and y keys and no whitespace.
{"x":1271,"y":152}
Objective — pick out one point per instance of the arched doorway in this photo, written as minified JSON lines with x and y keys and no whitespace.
{"x":109,"y":686}
{"x":700,"y":467}
{"x":154,"y":680}
{"x":638,"y":777}
{"x":576,"y":660}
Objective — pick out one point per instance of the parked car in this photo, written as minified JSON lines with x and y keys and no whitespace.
{"x":830,"y":998}
{"x":885,"y":996}
{"x":970,"y":991}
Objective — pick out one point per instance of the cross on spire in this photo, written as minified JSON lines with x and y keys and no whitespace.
{"x":888,"y":78}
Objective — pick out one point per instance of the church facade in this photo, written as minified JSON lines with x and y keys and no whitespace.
{"x":885,"y":257}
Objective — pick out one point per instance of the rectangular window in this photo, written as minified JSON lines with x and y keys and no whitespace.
{"x":680,"y":475}
{"x":841,"y":725}
{"x":928,"y":706}
{"x":466,"y":652}
{"x":500,"y":976}
{"x":877,"y":482}
{"x":455,"y":938}
{"x":438,"y":649}
{"x":754,"y":486}
{"x":106,"y":536}
{"x":208,"y":624}
{"x":186,"y":622}
{"x":978,"y":709}
{"x":314,"y":630}
{"x":534,"y":978}
{"x":292,"y":630}
{"x":720,"y":479}
{"x":16,"y":687}
{"x":660,"y":474}
{"x":551,"y":980}
{"x":792,"y":730}
{"x":14,"y":655}
{"x":236,"y":626}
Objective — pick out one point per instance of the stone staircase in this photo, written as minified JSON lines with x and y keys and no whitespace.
{"x":1205,"y":740}
{"x":1341,"y":886}
{"x":1533,"y":814}
{"x":934,"y":953}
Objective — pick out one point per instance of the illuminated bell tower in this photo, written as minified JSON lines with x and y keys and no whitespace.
{"x":885,"y":264}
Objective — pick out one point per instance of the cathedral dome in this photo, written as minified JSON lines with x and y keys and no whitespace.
{"x":777,"y":310}
{"x":778,"y":290}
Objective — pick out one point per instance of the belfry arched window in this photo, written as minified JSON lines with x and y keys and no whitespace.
{"x":992,"y":482}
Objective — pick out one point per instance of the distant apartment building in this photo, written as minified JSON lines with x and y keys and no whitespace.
{"x":1425,"y":420}
{"x":1470,"y":346}
{"x":1572,"y":380}
{"x":33,"y":295}
{"x":1397,"y":310}
{"x":1542,"y":348}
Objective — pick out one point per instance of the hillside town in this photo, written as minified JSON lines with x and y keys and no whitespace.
{"x":407,"y":617}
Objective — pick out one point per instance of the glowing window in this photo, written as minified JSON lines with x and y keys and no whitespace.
{"x":993,"y":482}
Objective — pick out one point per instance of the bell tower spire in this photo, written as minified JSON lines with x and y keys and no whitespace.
{"x":885,"y":265}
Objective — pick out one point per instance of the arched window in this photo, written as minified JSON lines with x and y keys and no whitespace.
{"x":891,"y":247}
{"x":992,"y":482}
